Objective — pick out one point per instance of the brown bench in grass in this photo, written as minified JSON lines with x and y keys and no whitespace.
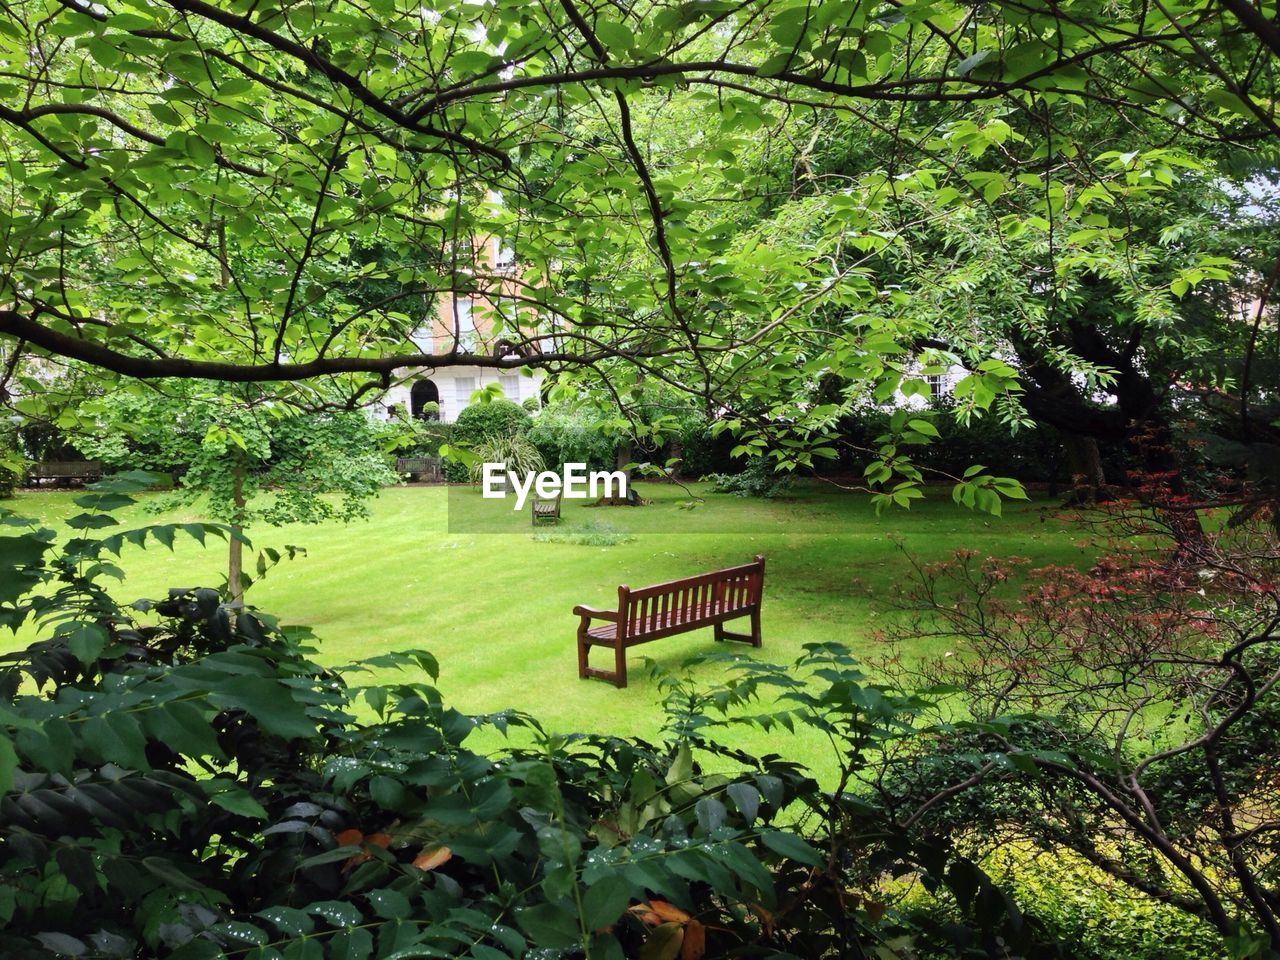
{"x":664,"y":609}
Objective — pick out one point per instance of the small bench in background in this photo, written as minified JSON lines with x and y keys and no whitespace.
{"x":665,"y":609}
{"x":421,"y":469}
{"x":545,"y":510}
{"x":65,"y":472}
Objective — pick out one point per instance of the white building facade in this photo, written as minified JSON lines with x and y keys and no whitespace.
{"x":451,"y":389}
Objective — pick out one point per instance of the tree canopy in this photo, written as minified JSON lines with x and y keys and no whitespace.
{"x":279,"y":193}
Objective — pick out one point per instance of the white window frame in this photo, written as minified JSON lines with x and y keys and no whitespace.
{"x":463,"y":388}
{"x":462,"y":319}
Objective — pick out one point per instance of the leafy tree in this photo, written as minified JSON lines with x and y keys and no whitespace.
{"x":167,"y":158}
{"x":242,"y":459}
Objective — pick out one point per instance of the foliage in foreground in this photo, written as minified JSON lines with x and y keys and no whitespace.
{"x":179,"y":779}
{"x":1129,"y":714}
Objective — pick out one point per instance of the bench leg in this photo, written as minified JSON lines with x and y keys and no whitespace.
{"x":752,"y":638}
{"x":619,"y":676}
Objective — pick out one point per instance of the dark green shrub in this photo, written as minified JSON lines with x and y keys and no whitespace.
{"x":703,"y":453}
{"x":187,"y":782}
{"x":565,"y":434}
{"x":488,"y":421}
{"x":758,"y":479}
{"x":480,"y":422}
{"x":1029,"y":454}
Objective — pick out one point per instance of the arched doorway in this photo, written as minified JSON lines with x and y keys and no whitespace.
{"x":421,"y":394}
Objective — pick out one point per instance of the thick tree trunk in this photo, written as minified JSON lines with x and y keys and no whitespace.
{"x":235,"y":555}
{"x":626,"y":453}
{"x":1084,"y":462}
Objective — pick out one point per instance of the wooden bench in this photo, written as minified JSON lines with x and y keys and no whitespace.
{"x":65,"y":471}
{"x":545,"y":510}
{"x":420,"y":468}
{"x":664,"y":609}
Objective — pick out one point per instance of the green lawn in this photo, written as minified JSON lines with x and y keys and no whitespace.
{"x":495,"y":607}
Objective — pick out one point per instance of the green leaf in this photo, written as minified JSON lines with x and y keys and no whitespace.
{"x":170,"y":873}
{"x":117,"y":737}
{"x":923,"y":427}
{"x":337,"y":913}
{"x":549,"y":925}
{"x":62,"y":944}
{"x":605,"y":901}
{"x":184,"y":728}
{"x":91,"y":521}
{"x":746,"y":799}
{"x":614,"y":35}
{"x":8,"y":763}
{"x":85,"y":640}
{"x":240,"y":802}
{"x":389,"y":904}
{"x":268,"y":702}
{"x":710,"y":813}
{"x":792,"y":847}
{"x":329,"y":856}
{"x":356,"y":944}
{"x":289,"y":920}
{"x":103,"y":501}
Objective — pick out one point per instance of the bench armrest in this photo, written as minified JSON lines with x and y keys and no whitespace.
{"x":593,"y":614}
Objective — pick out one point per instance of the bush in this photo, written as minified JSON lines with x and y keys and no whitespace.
{"x":565,"y":434}
{"x":425,"y":437}
{"x":481,"y":422}
{"x":1100,"y":917}
{"x":701,"y":452}
{"x":1032,"y":454}
{"x":514,"y":452}
{"x":758,"y":480}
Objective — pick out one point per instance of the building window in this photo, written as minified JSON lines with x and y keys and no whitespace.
{"x":506,"y":254}
{"x":935,"y":384}
{"x":421,"y":339}
{"x":462,"y":319}
{"x":510,"y":387}
{"x":463,"y":388}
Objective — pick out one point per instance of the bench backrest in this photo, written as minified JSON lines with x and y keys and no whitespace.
{"x":66,"y":468}
{"x":679,"y":605}
{"x":418,"y":465}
